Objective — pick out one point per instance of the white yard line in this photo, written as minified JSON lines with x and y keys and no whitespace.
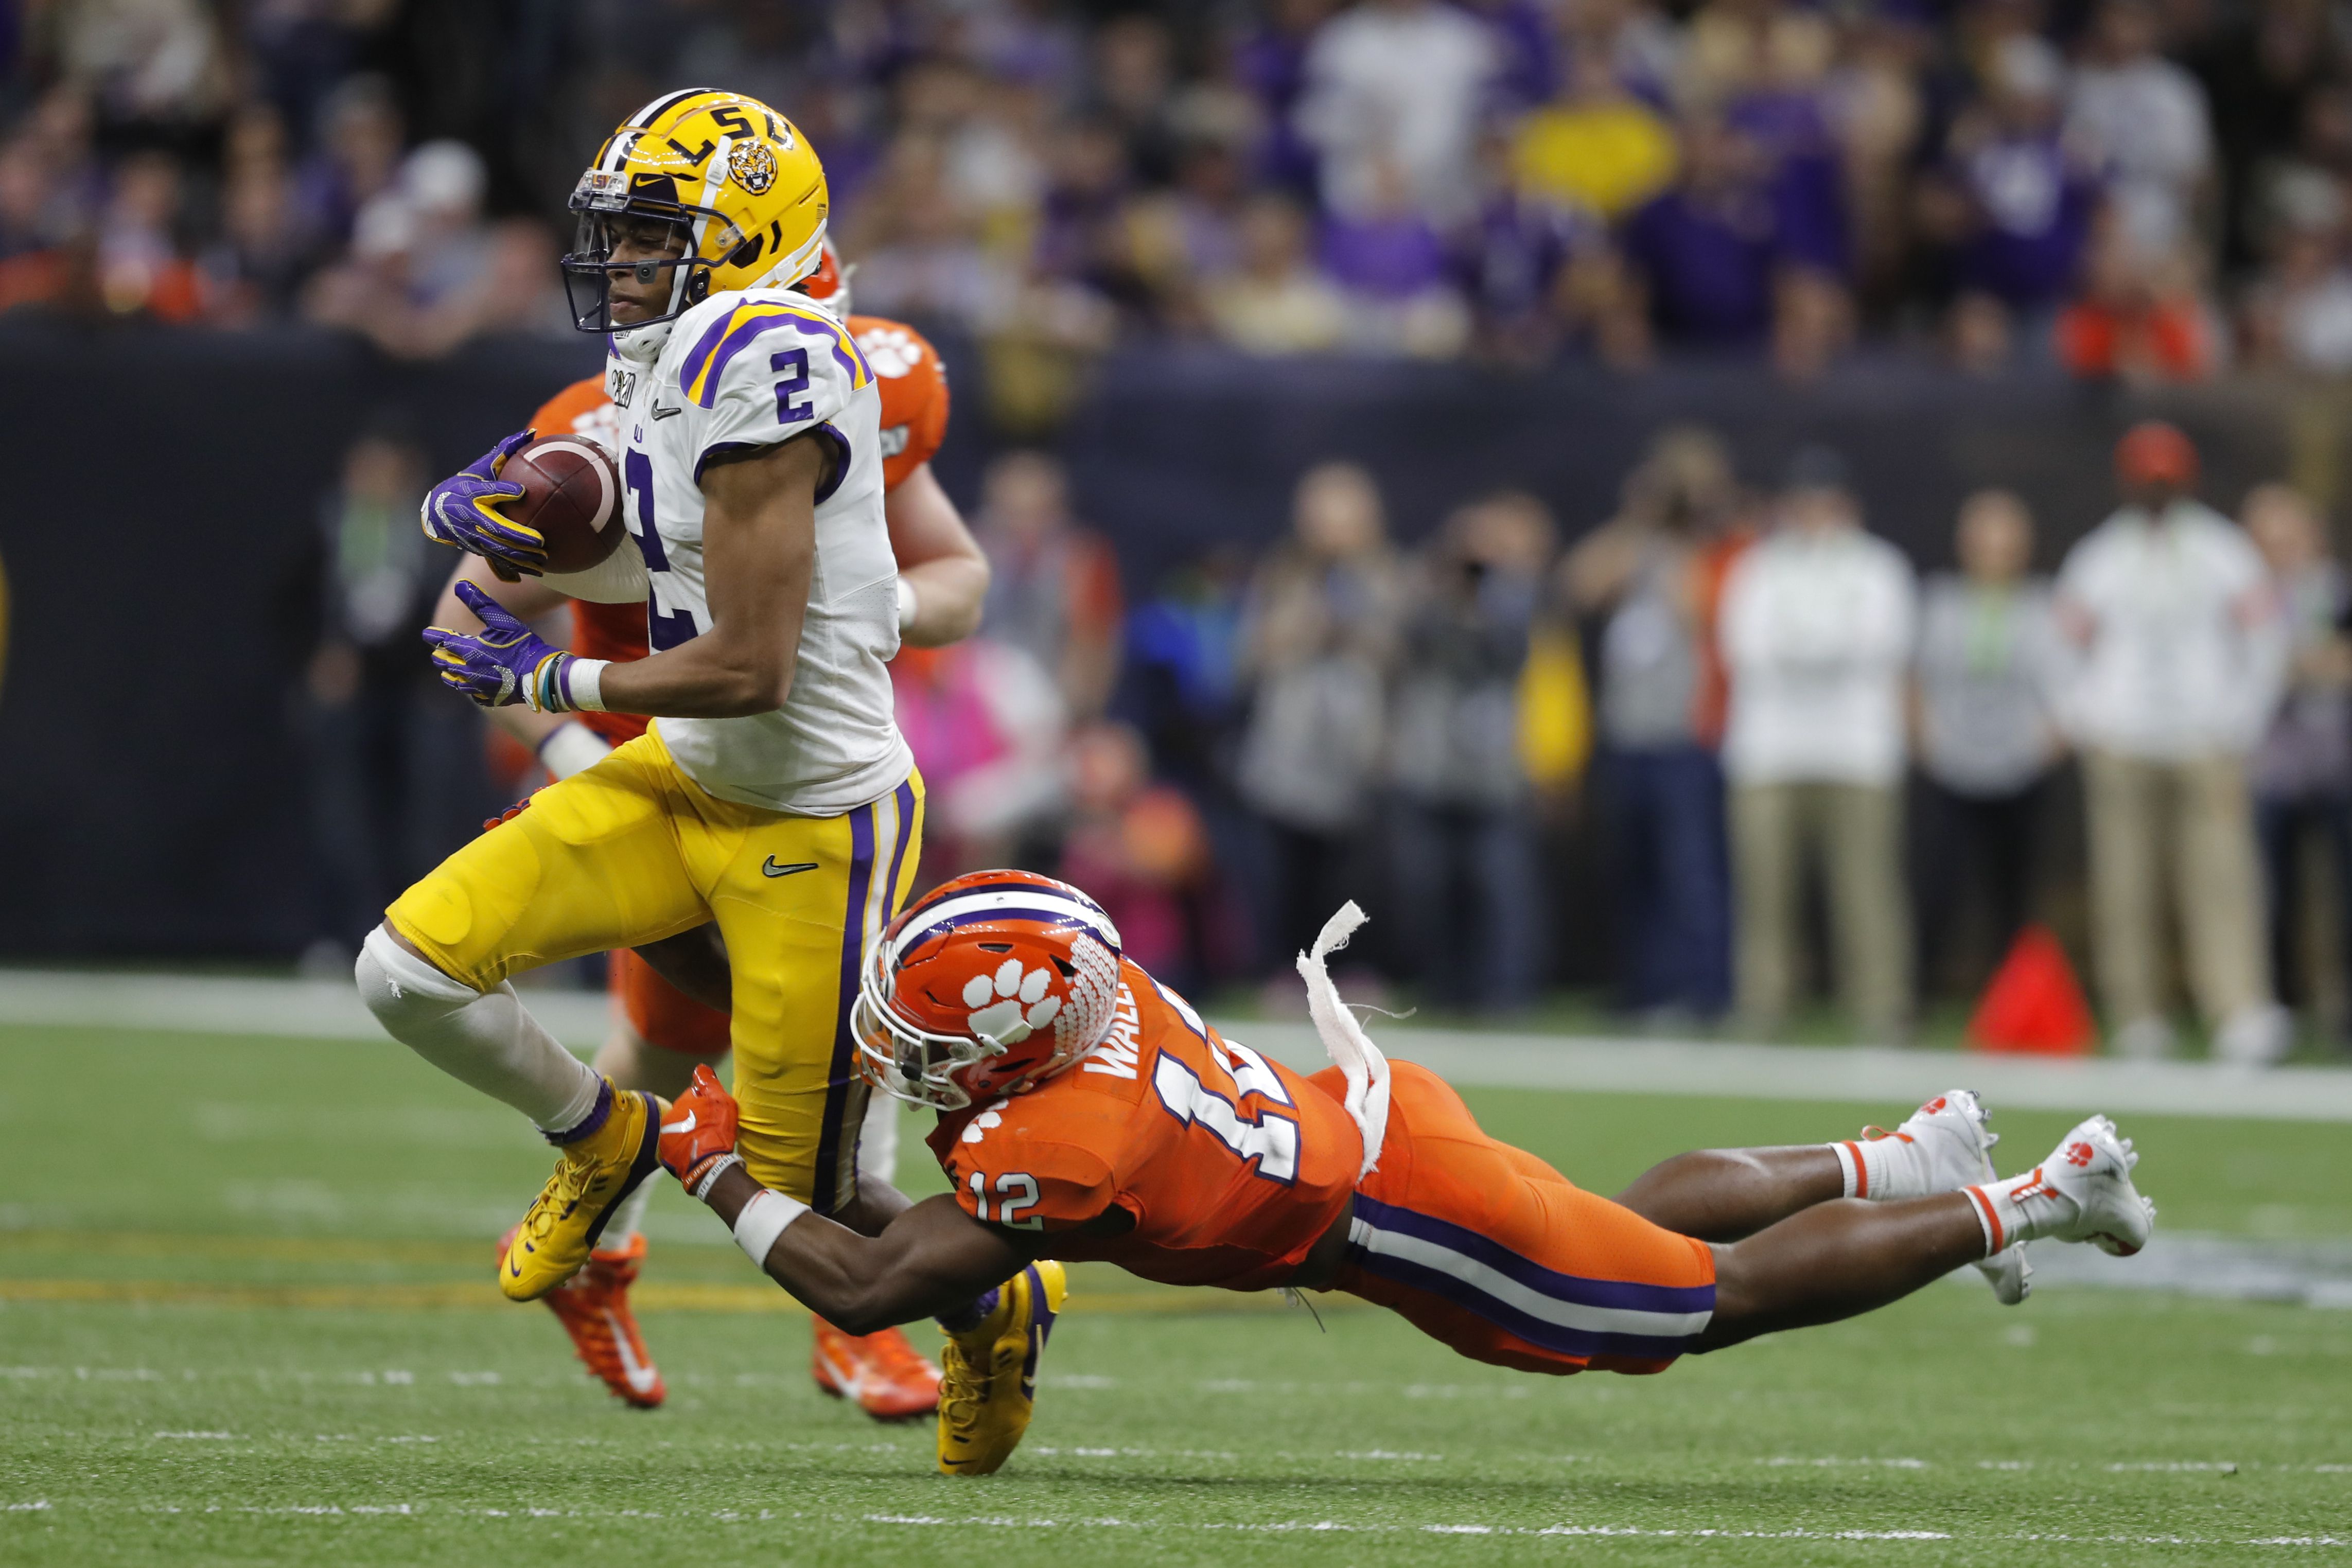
{"x":322,"y":1009}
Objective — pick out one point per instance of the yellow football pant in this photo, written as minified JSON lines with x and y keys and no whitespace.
{"x":633,"y":851}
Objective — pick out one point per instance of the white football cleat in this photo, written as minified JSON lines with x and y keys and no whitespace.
{"x":1954,"y":1146}
{"x":1949,"y":1136}
{"x":2083,"y":1192}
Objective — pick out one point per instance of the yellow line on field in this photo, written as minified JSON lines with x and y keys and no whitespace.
{"x":652,"y":1297}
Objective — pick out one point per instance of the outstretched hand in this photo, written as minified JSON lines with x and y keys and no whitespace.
{"x":699,"y":1130}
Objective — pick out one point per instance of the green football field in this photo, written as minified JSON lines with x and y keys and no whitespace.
{"x":246,"y":1315}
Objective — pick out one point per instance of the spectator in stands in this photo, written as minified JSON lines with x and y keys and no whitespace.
{"x":2139,"y":318}
{"x":1395,"y":85}
{"x":357,"y":158}
{"x":139,"y":267}
{"x":1663,"y":786}
{"x":1054,"y":591}
{"x":2015,"y":200}
{"x":1270,"y":64}
{"x":1469,"y":902}
{"x":1276,"y":303}
{"x":987,"y":727}
{"x":1139,"y":848}
{"x":391,"y":777}
{"x":2261,"y":71}
{"x":1318,"y":637}
{"x":1722,"y":260}
{"x":2302,"y":771}
{"x":2179,"y":651}
{"x":1818,"y":627}
{"x":2146,"y":120}
{"x":1391,"y":264}
{"x":1986,"y":675}
{"x":2299,"y":311}
{"x":1598,"y":147}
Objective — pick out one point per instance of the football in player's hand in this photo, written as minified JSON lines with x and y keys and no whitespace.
{"x":571,"y":495}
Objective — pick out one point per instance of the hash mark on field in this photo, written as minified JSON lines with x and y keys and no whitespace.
{"x":1780,"y":1459}
{"x":2168,"y":1467}
{"x":213,"y":1436}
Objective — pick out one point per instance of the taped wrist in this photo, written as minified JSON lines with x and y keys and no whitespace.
{"x":565,"y":683}
{"x":763,"y":1220}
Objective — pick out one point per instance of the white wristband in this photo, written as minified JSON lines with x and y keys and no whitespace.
{"x":583,"y":684}
{"x":719,"y":1167}
{"x":572,"y":748}
{"x":909,"y":606}
{"x":763,"y":1220}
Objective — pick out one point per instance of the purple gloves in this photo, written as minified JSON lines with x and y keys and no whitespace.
{"x":462,"y":511}
{"x":506,"y":662}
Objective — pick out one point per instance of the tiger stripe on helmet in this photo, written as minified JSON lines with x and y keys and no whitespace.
{"x":1059,"y":903}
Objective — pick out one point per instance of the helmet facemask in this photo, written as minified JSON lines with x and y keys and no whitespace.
{"x":653,"y":221}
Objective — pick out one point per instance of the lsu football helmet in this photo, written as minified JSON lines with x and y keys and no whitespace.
{"x":983,"y":986}
{"x":741,"y":187}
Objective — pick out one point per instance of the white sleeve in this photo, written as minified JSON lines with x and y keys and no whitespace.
{"x":769,"y":373}
{"x":619,"y":579}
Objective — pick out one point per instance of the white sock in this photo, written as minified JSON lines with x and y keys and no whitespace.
{"x":627,"y":1219}
{"x":481,"y":1038}
{"x":1882,"y":1169}
{"x":2023,"y":1208}
{"x":877,"y":1140}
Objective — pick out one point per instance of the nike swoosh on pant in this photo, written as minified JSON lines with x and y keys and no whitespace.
{"x":770,"y":868}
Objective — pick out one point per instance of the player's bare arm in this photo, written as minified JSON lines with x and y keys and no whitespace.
{"x":760,"y":533}
{"x":930,"y":1258}
{"x":940,"y":563}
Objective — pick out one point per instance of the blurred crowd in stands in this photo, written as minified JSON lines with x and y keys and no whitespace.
{"x":1724,"y":722}
{"x":2151,"y":189}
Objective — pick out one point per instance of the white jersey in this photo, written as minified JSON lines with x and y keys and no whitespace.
{"x":750,"y":369}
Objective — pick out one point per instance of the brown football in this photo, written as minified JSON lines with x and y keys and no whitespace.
{"x":571,"y":495}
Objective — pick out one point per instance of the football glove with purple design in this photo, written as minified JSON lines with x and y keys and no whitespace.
{"x":505,"y":663}
{"x":462,"y":511}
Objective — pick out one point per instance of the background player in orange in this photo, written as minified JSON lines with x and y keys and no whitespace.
{"x":660,"y":1033}
{"x":1087,"y":1111}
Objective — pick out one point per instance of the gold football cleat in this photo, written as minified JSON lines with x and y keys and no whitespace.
{"x":989,"y":1385}
{"x":592,"y":1174}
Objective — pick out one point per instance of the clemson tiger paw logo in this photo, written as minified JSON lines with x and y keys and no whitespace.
{"x":2080,"y":1155}
{"x":1008,"y":1007}
{"x":890,"y":351}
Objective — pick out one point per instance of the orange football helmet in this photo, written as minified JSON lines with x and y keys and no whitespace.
{"x":830,"y":281}
{"x":984,"y":986}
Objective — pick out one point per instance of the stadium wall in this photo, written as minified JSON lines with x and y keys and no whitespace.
{"x":164,"y":489}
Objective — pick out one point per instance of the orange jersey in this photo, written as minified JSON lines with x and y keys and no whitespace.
{"x":914,"y":387}
{"x":1229,"y":1165}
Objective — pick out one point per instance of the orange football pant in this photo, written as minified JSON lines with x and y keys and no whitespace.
{"x":1489,"y":1250}
{"x":662,"y":1015}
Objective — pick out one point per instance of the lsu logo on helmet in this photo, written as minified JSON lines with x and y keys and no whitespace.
{"x":752,"y":165}
{"x":715,"y":188}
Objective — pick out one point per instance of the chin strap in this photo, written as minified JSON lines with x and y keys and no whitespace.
{"x":1359,"y":1060}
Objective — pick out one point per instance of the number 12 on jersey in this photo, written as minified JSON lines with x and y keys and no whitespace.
{"x":1271,"y":1140}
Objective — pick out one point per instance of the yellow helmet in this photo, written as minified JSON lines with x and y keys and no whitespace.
{"x":742,"y":186}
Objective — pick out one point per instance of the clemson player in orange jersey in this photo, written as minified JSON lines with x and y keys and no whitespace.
{"x":1086,"y":1110}
{"x":661,"y":1033}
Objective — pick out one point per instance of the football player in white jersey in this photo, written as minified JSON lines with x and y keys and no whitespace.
{"x":773,"y":793}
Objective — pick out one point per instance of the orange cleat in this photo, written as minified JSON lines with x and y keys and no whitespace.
{"x":594,"y":1307}
{"x":884,"y":1372}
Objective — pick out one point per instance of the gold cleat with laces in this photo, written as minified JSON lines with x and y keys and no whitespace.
{"x":592,"y":1174}
{"x":989,"y":1372}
